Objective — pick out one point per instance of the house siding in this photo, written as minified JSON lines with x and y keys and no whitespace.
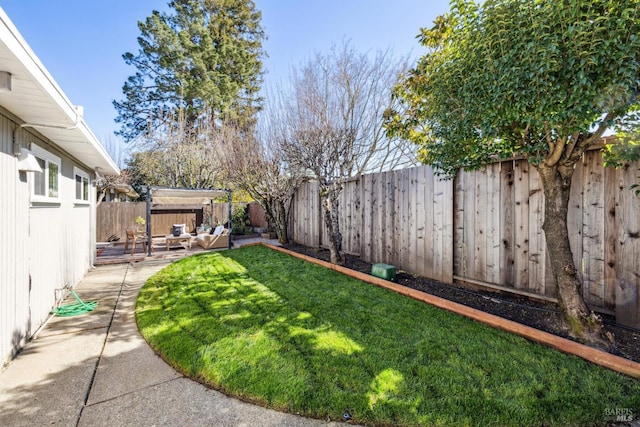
{"x":44,"y":246}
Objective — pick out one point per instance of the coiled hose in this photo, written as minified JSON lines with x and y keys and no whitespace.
{"x":76,"y":308}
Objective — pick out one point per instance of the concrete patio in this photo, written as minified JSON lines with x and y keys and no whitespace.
{"x":96,"y":370}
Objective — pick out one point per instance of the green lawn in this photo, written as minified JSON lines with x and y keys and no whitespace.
{"x":284,"y":333}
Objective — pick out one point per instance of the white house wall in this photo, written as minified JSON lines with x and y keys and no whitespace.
{"x":14,"y":269}
{"x":43,"y":247}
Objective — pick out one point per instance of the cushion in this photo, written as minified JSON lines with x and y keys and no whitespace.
{"x":178,"y":229}
{"x":218,"y":230}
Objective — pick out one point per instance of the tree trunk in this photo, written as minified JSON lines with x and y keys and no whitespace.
{"x":276,"y":215}
{"x":329,"y":199}
{"x":280,"y":219}
{"x":581,"y":322}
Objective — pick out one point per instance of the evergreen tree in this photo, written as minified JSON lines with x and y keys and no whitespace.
{"x":203,"y":59}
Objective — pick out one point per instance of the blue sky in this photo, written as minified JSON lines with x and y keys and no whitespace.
{"x":81,"y":42}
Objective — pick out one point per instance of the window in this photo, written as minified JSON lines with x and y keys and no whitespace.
{"x":82,"y":185}
{"x":46,"y":184}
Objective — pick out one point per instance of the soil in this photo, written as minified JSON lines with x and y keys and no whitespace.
{"x":540,"y":315}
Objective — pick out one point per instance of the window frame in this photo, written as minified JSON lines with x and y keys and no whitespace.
{"x":85,"y":182}
{"x":48,"y":158}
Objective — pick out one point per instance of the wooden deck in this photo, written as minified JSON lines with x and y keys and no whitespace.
{"x":114,"y":253}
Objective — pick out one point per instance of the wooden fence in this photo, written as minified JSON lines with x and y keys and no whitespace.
{"x":115,"y":218}
{"x":257,"y":217}
{"x":485,"y":228}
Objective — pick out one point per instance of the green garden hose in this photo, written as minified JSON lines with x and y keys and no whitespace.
{"x":75,"y":309}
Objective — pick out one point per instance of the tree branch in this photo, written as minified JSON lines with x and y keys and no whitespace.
{"x":547,"y":134}
{"x":587,"y":142}
{"x":556,"y":153}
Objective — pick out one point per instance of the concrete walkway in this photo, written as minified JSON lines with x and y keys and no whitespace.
{"x":96,"y":370}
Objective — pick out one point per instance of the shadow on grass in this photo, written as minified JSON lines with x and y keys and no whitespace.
{"x":280,"y":332}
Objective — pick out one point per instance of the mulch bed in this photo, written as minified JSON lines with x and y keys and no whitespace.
{"x":539,"y":315}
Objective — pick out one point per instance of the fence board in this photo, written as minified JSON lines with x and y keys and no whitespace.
{"x":610,"y":233}
{"x":481,"y":214}
{"x":593,"y":230}
{"x":437,"y":206}
{"x":389,"y":217}
{"x":404,"y":225}
{"x":424,"y":227}
{"x":367,"y":218}
{"x":411,"y":225}
{"x":446,"y":227}
{"x":521,"y":220}
{"x":377,"y":230}
{"x":459,"y":258}
{"x":493,"y":223}
{"x":537,"y":244}
{"x":433,"y":235}
{"x":507,"y":230}
{"x":469,"y":225}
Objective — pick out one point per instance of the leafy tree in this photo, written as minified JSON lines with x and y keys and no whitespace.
{"x":205,"y":57}
{"x":543,"y":79}
{"x":333,"y":115}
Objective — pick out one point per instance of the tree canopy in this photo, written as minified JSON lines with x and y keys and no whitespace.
{"x":537,"y":78}
{"x":204,"y":58}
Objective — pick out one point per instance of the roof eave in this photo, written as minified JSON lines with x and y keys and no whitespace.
{"x":62,"y":123}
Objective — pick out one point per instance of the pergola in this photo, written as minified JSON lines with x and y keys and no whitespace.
{"x":180,"y":196}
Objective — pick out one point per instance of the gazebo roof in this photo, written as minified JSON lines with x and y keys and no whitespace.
{"x":182,"y":196}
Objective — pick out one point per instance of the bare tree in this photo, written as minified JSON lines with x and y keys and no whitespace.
{"x":334,"y":114}
{"x":120,"y":183}
{"x":180,"y":154}
{"x":256,"y":164}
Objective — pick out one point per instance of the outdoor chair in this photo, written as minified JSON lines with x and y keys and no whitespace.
{"x":134,"y":238}
{"x":217,"y":239}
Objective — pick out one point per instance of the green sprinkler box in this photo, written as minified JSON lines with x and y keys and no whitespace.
{"x":384,"y":271}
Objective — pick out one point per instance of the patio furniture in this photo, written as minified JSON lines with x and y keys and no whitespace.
{"x":134,"y":237}
{"x":183,"y":238}
{"x":218,"y":239}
